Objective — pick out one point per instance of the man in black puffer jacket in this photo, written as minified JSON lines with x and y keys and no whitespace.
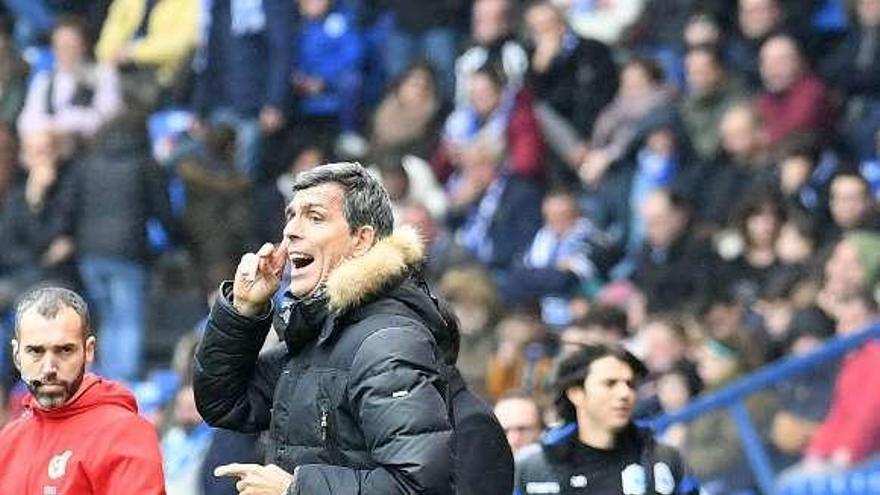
{"x":355,"y":400}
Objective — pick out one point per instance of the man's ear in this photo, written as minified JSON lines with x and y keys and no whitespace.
{"x":575,"y":395}
{"x":15,"y":358}
{"x":90,"y":349}
{"x":364,"y":238}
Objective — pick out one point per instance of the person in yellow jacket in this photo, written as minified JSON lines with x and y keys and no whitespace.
{"x":157,"y":34}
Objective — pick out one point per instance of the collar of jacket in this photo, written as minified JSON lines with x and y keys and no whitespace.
{"x":355,"y":282}
{"x":558,"y":443}
{"x":358,"y":280}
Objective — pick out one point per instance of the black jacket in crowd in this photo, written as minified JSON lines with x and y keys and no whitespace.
{"x":580,"y":81}
{"x":119,"y":188}
{"x":677,"y":277}
{"x":355,"y":401}
{"x":26,"y":233}
{"x":638,"y":464}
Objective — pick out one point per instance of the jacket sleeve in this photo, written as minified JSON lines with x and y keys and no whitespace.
{"x":129,"y":461}
{"x":852,"y":423}
{"x":234,"y":384}
{"x":122,"y":20}
{"x":34,"y":116}
{"x":174,"y":35}
{"x":395,"y":393}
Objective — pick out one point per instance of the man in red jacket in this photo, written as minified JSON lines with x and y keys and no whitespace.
{"x":79,"y":433}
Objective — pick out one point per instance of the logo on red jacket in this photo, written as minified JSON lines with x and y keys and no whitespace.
{"x":58,"y":465}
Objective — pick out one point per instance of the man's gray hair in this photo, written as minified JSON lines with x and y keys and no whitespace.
{"x":49,"y":301}
{"x":366,"y":201}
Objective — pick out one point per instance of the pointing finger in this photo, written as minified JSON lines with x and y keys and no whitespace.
{"x":235,"y":469}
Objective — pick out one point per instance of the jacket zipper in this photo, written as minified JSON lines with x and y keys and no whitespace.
{"x":324,"y":421}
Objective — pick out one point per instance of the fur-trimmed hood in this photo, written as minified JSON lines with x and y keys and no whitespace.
{"x":380,"y":280}
{"x":388,"y":262}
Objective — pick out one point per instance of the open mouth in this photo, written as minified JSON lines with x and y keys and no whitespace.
{"x":301,"y":260}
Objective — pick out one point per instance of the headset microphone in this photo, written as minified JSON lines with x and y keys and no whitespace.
{"x":32,"y":384}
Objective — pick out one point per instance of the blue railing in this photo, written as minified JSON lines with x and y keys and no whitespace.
{"x":733,"y":399}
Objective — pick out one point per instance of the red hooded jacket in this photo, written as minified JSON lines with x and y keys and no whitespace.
{"x":94,"y":444}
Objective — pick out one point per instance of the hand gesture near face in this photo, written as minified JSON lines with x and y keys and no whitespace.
{"x":257,"y":278}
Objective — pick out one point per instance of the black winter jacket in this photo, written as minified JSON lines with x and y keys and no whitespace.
{"x":483,"y":461}
{"x":119,"y":188}
{"x":355,"y":402}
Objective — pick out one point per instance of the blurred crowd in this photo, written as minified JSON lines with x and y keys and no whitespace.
{"x":695,"y":179}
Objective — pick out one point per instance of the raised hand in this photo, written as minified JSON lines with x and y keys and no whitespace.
{"x":257,"y":278}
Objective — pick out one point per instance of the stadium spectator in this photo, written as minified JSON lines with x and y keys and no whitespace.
{"x":242,"y":72}
{"x":151,"y":37}
{"x":184,"y":445}
{"x":483,"y":458}
{"x":851,"y":204}
{"x":13,"y":82}
{"x":642,"y":91}
{"x":425,"y":31}
{"x":521,"y":418}
{"x":758,"y":219}
{"x":664,"y":345}
{"x":326,"y":70}
{"x":712,"y":90}
{"x":853,"y":68}
{"x":793,"y":99}
{"x":474,"y":301}
{"x":603,"y":324}
{"x":604,"y":21}
{"x":854,"y":267}
{"x":409,"y":118}
{"x":710,"y":442}
{"x":215,"y":189}
{"x":575,"y":76}
{"x":113,"y":252}
{"x":804,"y":171}
{"x":756,"y":20}
{"x":37,"y":243}
{"x":804,"y":399}
{"x":76,"y":97}
{"x":521,"y":360}
{"x":673,"y":269}
{"x":497,"y":116}
{"x":847,"y":435}
{"x":741,"y":166}
{"x":494,"y":46}
{"x":565,"y":257}
{"x":659,"y":157}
